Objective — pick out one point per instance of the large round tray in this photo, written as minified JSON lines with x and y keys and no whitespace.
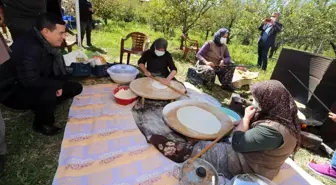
{"x":170,"y":117}
{"x":143,"y":88}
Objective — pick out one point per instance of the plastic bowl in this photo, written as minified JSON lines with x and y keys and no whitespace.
{"x":123,"y":101}
{"x":122,"y":73}
{"x":232,"y":114}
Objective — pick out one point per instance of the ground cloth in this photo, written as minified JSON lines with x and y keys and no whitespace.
{"x":103,"y":146}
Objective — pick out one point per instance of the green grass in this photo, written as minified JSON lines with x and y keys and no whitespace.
{"x":33,"y":158}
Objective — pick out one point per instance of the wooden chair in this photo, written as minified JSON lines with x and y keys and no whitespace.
{"x":140,"y":43}
{"x":189,"y":45}
{"x":66,"y":43}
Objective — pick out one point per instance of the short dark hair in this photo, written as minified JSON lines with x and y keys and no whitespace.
{"x":49,"y":21}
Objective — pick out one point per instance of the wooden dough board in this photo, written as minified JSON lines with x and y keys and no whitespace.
{"x":143,"y":88}
{"x":170,"y":117}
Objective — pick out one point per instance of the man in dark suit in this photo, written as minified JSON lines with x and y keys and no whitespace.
{"x":38,"y":73}
{"x":86,"y":11}
{"x":269,"y":29}
{"x":20,"y":15}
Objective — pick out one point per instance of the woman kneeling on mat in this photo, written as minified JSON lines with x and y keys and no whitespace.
{"x":267,"y":135}
{"x":158,"y":61}
{"x":214,"y":59}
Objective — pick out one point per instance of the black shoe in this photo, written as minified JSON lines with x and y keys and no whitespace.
{"x":2,"y":163}
{"x":229,"y":88}
{"x":47,"y":130}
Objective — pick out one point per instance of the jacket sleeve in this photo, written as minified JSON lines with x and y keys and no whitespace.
{"x":201,"y":53}
{"x":171,"y":64}
{"x":144,"y":57}
{"x":261,"y":27}
{"x":278,"y":27}
{"x":259,"y":138}
{"x":227,"y":56}
{"x":29,"y":72}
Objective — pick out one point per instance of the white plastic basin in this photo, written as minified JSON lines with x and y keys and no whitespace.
{"x":122,"y":73}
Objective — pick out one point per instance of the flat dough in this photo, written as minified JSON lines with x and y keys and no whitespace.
{"x":199,"y":120}
{"x":158,"y":85}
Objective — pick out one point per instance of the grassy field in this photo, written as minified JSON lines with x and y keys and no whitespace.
{"x":33,"y":158}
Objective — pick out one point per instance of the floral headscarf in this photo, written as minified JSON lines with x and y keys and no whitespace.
{"x":278,"y":105}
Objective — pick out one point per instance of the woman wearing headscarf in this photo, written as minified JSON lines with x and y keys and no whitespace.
{"x":214,"y":59}
{"x":267,"y":135}
{"x":159,"y":61}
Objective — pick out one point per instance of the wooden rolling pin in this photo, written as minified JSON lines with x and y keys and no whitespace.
{"x":207,"y":148}
{"x":171,"y":87}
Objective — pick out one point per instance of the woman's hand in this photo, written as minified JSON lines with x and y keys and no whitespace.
{"x":165,"y":81}
{"x":222,"y":63}
{"x":332,"y":116}
{"x":210,"y":64}
{"x":148,"y":74}
{"x":249,"y":113}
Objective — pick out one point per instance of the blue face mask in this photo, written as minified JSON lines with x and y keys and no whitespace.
{"x":159,"y":53}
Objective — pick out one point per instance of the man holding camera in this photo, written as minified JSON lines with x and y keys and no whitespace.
{"x":269,"y":29}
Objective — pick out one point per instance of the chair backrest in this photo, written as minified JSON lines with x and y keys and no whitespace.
{"x":138,"y":41}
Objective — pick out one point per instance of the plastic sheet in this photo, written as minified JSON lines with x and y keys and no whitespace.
{"x":249,"y":179}
{"x":217,"y":156}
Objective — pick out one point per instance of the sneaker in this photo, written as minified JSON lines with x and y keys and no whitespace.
{"x":324,"y":170}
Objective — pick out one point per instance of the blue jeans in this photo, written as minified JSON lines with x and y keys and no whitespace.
{"x":333,"y":160}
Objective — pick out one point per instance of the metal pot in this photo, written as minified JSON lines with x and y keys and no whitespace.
{"x":199,"y":172}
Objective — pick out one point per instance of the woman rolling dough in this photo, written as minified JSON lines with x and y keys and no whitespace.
{"x":267,"y":135}
{"x":159,"y":61}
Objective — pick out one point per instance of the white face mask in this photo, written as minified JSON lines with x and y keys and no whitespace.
{"x":255,"y":103}
{"x":159,"y":53}
{"x":223,"y":40}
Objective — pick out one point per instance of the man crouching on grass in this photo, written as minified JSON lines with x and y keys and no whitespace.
{"x":39,"y":73}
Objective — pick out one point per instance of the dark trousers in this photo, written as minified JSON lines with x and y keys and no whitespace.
{"x":262,"y":55}
{"x":86,"y":27}
{"x":42,"y":101}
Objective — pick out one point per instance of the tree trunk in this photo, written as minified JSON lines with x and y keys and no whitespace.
{"x":185,"y":32}
{"x":207,"y":34}
{"x":105,"y":21}
{"x":333,"y":46}
{"x":229,"y":28}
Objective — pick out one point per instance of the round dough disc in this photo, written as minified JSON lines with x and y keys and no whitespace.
{"x":158,"y":85}
{"x":199,"y":120}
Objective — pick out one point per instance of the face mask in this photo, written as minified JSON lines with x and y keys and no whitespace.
{"x":223,"y":40}
{"x":159,"y":53}
{"x":255,"y":103}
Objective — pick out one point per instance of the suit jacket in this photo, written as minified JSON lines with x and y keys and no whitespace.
{"x":275,"y":29}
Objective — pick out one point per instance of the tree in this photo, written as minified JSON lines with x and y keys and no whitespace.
{"x":188,"y":12}
{"x":106,"y":9}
